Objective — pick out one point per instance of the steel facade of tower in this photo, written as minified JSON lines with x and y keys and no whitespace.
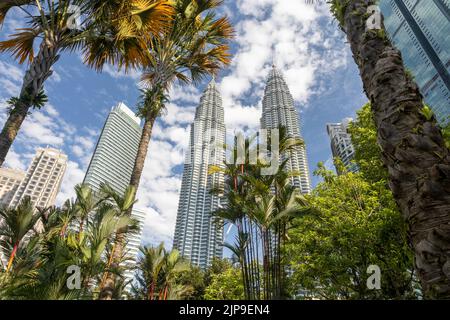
{"x":198,"y":236}
{"x":420,"y":29}
{"x":279,"y":111}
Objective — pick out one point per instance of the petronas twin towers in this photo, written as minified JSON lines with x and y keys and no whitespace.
{"x":197,"y":236}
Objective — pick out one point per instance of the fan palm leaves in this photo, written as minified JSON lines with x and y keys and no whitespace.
{"x":114,"y":32}
{"x":173,"y":265}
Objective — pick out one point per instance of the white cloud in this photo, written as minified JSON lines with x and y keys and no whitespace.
{"x":289,"y":34}
{"x":73,"y":176}
{"x":116,"y":74}
{"x":15,"y":160}
{"x":11,"y":71}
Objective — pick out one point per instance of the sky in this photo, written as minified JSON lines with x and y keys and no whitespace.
{"x":301,"y":39}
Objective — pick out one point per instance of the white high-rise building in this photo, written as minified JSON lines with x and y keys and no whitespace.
{"x":341,"y":143}
{"x":198,"y":236}
{"x":279,"y":111}
{"x":10,"y":180}
{"x":42,"y":181}
{"x":116,"y":150}
{"x":113,"y":161}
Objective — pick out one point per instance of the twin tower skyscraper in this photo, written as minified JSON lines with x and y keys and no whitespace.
{"x":197,"y":236}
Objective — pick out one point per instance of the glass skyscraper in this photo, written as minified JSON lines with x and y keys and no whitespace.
{"x":116,"y":151}
{"x":341,"y":144}
{"x":420,"y":29}
{"x":279,"y":111}
{"x":198,"y":237}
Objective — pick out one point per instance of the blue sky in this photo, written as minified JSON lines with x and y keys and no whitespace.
{"x":302,"y":40}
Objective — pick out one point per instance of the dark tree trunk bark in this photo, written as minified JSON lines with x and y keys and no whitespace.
{"x":412,"y":146}
{"x":33,"y":82}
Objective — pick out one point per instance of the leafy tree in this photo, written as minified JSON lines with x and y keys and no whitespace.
{"x":356,"y":225}
{"x":226,"y":285}
{"x":413,"y":147}
{"x":194,"y":281}
{"x":367,"y":151}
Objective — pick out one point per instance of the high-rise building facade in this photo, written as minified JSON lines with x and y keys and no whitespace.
{"x":113,"y":161}
{"x":198,"y":236}
{"x":341,"y":144}
{"x":279,"y":111}
{"x":116,"y":151}
{"x":10,"y":179}
{"x":42,"y":181}
{"x":420,"y":29}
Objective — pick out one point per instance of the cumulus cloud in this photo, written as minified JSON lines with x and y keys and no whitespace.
{"x":73,"y":176}
{"x":295,"y":36}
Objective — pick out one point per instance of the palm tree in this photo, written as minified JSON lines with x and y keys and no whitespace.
{"x":110,"y":35}
{"x":41,"y":262}
{"x":413,"y":148}
{"x":122,"y":206}
{"x":174,"y":264}
{"x":195,"y":45}
{"x":262,"y":207}
{"x":84,"y":205}
{"x":150,"y":265}
{"x":14,"y":226}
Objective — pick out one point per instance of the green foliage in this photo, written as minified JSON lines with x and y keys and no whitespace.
{"x":37,"y":102}
{"x":158,"y":275}
{"x":338,"y":8}
{"x":226,"y":285}
{"x":358,"y":225}
{"x":261,"y":206}
{"x":62,"y":237}
{"x":427,"y":112}
{"x":194,"y":281}
{"x":367,"y":151}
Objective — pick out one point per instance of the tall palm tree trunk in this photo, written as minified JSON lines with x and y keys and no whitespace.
{"x":413,"y":148}
{"x":35,"y":76}
{"x":142,"y":152}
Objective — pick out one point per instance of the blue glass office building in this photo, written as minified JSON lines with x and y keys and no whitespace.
{"x":420,"y":29}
